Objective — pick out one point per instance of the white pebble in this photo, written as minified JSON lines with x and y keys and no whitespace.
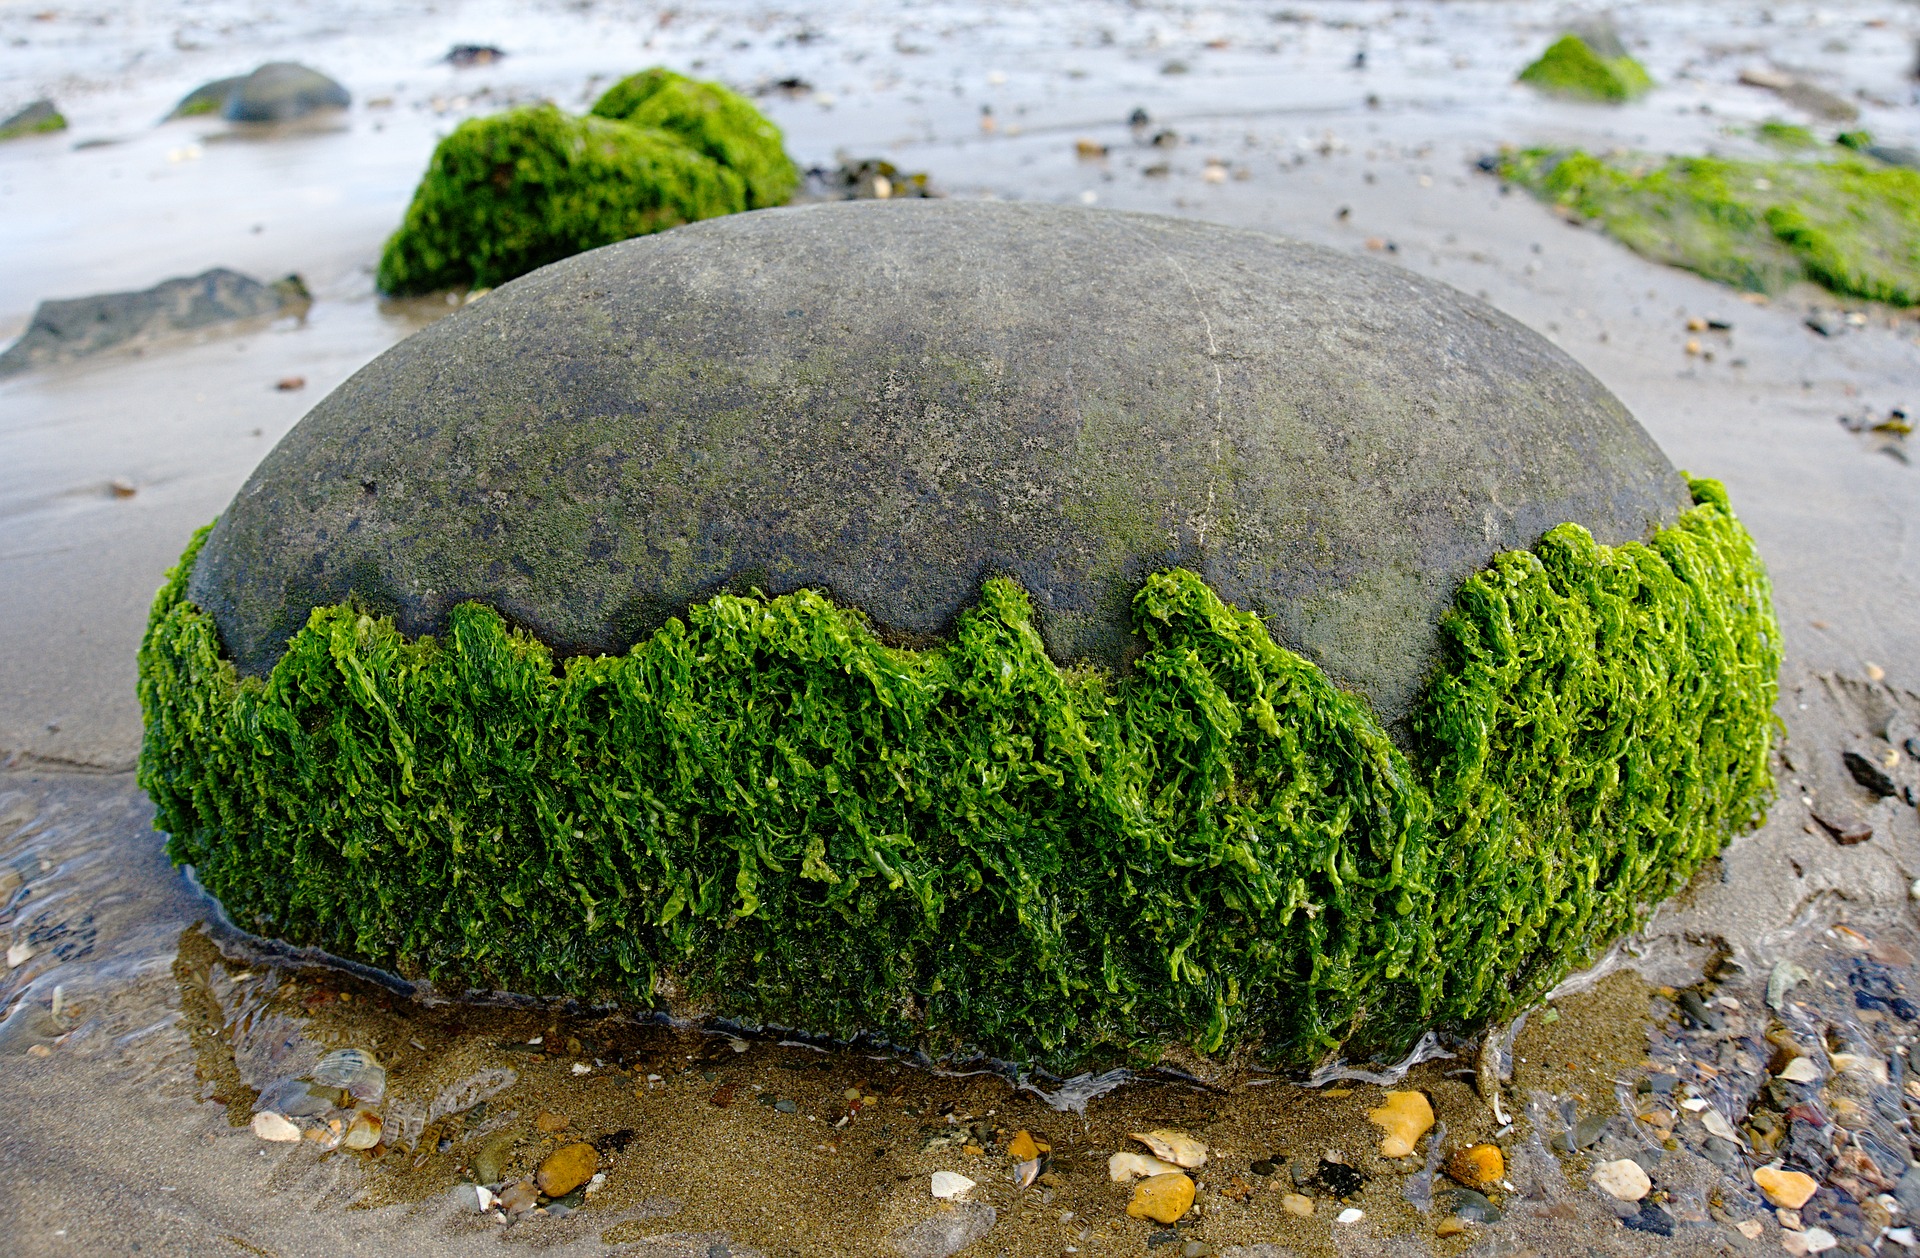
{"x":582,"y":1068}
{"x":1801,"y":1070}
{"x":1903,"y":1236}
{"x":19,"y":954}
{"x":485,"y":1197}
{"x":1624,"y":1180}
{"x":1815,"y":1240}
{"x":1351,"y":1215}
{"x":276,"y":1127}
{"x":947,"y":1184}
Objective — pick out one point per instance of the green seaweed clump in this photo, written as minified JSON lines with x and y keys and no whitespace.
{"x":1847,"y":222}
{"x":508,"y":193}
{"x":712,"y":120}
{"x":1789,"y":135}
{"x":763,"y":812}
{"x":1570,"y":67}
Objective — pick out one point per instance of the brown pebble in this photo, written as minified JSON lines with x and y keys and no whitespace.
{"x":567,"y":1168}
{"x":519,"y":1199}
{"x":550,"y":1122}
{"x":723,"y":1095}
{"x":1452,"y":1225}
{"x":1845,"y":828}
{"x":1295,"y":1203}
{"x":287,"y":384}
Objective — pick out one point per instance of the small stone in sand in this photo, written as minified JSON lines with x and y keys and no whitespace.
{"x":1350,"y":1215}
{"x":519,"y":1199}
{"x":1296,"y":1203}
{"x":1478,"y":1165}
{"x":1815,"y":1240}
{"x":567,"y":1168}
{"x":1176,"y":1147}
{"x":276,"y":1127}
{"x":1162,"y":1198}
{"x":1750,"y":1228}
{"x":1623,"y":1179}
{"x":1404,"y":1117}
{"x":1787,"y":1189}
{"x":948,"y":1184}
{"x":550,"y":1122}
{"x":363,"y":1132}
{"x":1801,"y":1070}
{"x":1452,"y":1225}
{"x":1024,"y":1148}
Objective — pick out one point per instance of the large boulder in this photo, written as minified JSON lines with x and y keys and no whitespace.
{"x":891,"y":402}
{"x":1068,"y":635}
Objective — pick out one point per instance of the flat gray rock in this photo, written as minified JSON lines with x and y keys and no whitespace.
{"x":75,"y":328}
{"x":892,"y":401}
{"x":947,"y":1233}
{"x":281,"y":91}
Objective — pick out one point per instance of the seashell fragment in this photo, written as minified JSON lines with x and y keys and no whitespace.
{"x":1176,"y":1147}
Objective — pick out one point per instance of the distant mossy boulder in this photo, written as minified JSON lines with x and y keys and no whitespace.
{"x":506,"y":194}
{"x":1063,"y":634}
{"x":38,"y":118}
{"x":722,"y":124}
{"x":1571,"y":67}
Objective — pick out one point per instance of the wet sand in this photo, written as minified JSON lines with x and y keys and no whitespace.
{"x":113,"y":1136}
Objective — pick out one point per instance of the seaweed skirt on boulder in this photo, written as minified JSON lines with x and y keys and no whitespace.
{"x":1068,"y":635}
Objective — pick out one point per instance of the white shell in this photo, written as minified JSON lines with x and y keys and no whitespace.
{"x":1176,"y":1147}
{"x":948,"y":1184}
{"x":1124,"y":1167}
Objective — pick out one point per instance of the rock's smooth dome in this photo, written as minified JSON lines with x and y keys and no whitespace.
{"x":892,"y":401}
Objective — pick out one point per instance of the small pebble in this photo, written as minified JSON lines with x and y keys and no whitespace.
{"x":1295,"y":1203}
{"x":1815,"y":1240}
{"x":567,"y":1168}
{"x":1787,"y":1189}
{"x":1176,"y":1147}
{"x":1478,"y":1165}
{"x":548,"y":1121}
{"x":1126,"y":1166}
{"x":1801,"y":1070}
{"x":786,"y":1107}
{"x":1350,"y":1215}
{"x":1452,"y":1225}
{"x":1162,"y":1198}
{"x":1404,"y":1117}
{"x":1623,"y":1180}
{"x":288,"y":384}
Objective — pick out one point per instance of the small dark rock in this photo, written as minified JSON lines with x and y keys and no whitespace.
{"x":1724,"y":1154}
{"x":1339,"y":1179}
{"x":1138,"y":118}
{"x":1696,"y":1012}
{"x":1472,"y":1206}
{"x":1846,"y":828}
{"x":1657,"y":1085}
{"x":786,"y":1107}
{"x":1651,"y":1219}
{"x":465,"y":55}
{"x":1588,"y":1130}
{"x":1868,"y":774}
{"x":1263,"y":1168}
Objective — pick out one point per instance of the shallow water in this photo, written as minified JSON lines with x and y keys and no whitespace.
{"x":115,"y":1118}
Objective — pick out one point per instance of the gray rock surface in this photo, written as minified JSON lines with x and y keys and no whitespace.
{"x":281,"y":91}
{"x":947,"y":1233}
{"x":894,"y":400}
{"x":75,"y":328}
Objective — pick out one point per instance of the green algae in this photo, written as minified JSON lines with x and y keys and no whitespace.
{"x":508,"y":193}
{"x":1570,"y":67}
{"x":712,"y":120}
{"x":761,"y":811}
{"x":1847,"y":222}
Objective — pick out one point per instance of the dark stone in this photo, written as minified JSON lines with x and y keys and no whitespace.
{"x":62,"y":330}
{"x":1868,"y":774}
{"x":1263,"y":1168}
{"x":1339,"y":1179}
{"x":891,"y":401}
{"x":1695,"y":1011}
{"x":1472,"y":1206}
{"x":1846,"y":828}
{"x":1724,"y":1154}
{"x":1651,"y":1219}
{"x":281,"y":91}
{"x":464,"y":56}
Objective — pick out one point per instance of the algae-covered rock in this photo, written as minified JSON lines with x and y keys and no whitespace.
{"x":1571,"y":67}
{"x":712,"y":120}
{"x":208,"y":98}
{"x":1060,"y":633}
{"x":1851,"y":223}
{"x":509,"y":193}
{"x":38,"y":118}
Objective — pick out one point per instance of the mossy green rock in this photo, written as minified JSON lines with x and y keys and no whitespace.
{"x":1571,"y":67}
{"x":511,"y":192}
{"x":1088,"y":554}
{"x":712,"y":120}
{"x":1848,"y":222}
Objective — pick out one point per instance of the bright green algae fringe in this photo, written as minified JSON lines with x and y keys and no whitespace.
{"x":764,"y":812}
{"x":514,"y":191}
{"x":1570,"y":67}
